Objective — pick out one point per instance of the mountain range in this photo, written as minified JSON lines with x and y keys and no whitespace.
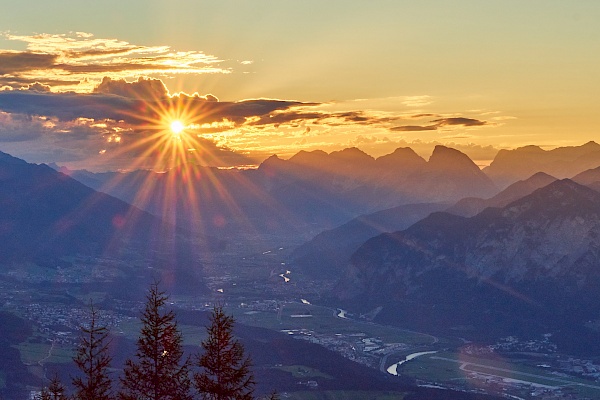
{"x":562,"y":162}
{"x":330,"y":251}
{"x":309,"y":192}
{"x":530,"y":266}
{"x":46,"y":216}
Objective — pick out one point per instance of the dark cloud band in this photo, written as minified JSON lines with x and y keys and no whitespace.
{"x":440,"y":123}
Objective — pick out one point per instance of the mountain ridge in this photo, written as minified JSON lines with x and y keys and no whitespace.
{"x":534,"y":258}
{"x":309,"y":192}
{"x":46,"y":214}
{"x":562,"y":162}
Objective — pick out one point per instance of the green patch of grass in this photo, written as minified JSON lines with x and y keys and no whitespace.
{"x":32,"y":353}
{"x":302,"y":371}
{"x":323,"y":320}
{"x":193,"y":335}
{"x":432,"y":371}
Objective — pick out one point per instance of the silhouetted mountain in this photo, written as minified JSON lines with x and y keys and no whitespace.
{"x":45,"y":215}
{"x":589,"y":177}
{"x":532,"y":266}
{"x":403,"y":159}
{"x":471,"y":206}
{"x":328,"y":252}
{"x":563,"y":162}
{"x":450,"y":175}
{"x":309,"y":192}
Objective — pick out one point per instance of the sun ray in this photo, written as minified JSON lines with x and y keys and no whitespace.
{"x":188,"y":190}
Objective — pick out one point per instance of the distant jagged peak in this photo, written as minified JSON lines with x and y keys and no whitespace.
{"x":531,"y":148}
{"x":562,"y":187}
{"x":570,"y":186}
{"x":449,"y":158}
{"x":521,"y":188}
{"x":303,"y":154}
{"x":588,"y":147}
{"x":562,"y":196}
{"x":271,"y":159}
{"x":591,"y":145}
{"x":562,"y":162}
{"x":351,"y":154}
{"x":539,"y":180}
{"x":588,"y":177}
{"x":402,"y":155}
{"x":271,"y":162}
{"x":540,"y":176}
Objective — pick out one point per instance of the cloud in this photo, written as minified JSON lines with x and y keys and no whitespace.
{"x":139,"y":102}
{"x":414,"y":128}
{"x":67,"y":106}
{"x":38,"y":87}
{"x":143,"y":88}
{"x":81,"y":60}
{"x":361,"y":139}
{"x":439,"y":123}
{"x":78,"y":98}
{"x":12,"y":62}
{"x":20,"y":128}
{"x":306,"y":113}
{"x":461,"y":121}
{"x":417,"y":101}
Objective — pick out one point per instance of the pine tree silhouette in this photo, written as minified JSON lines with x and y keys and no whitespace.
{"x":224,"y":369}
{"x":159,"y":371}
{"x":93,"y":360}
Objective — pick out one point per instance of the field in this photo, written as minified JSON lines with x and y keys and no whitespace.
{"x":296,"y":316}
{"x":343,"y":395}
{"x":493,"y":372}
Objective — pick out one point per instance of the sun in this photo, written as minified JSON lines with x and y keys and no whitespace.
{"x":177,"y":127}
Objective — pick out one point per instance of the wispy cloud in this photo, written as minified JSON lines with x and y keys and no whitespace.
{"x":440,"y":123}
{"x":417,"y":101}
{"x":459,"y":121}
{"x":79,"y":61}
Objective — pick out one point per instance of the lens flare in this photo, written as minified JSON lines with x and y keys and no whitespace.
{"x":177,"y":127}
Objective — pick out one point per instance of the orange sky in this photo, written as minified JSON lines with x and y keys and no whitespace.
{"x":475,"y":75}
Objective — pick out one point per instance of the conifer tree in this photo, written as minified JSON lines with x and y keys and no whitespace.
{"x":224,"y":369}
{"x":54,"y":391}
{"x":159,"y":371}
{"x":93,"y":360}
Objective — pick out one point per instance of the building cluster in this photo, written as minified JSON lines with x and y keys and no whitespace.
{"x":61,"y":323}
{"x":514,"y":344}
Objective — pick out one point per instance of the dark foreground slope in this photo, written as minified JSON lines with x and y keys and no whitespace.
{"x":532,"y":266}
{"x":45,"y":214}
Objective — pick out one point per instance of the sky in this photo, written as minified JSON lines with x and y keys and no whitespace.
{"x":97,"y":85}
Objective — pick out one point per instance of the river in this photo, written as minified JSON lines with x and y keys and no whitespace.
{"x":393,"y":369}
